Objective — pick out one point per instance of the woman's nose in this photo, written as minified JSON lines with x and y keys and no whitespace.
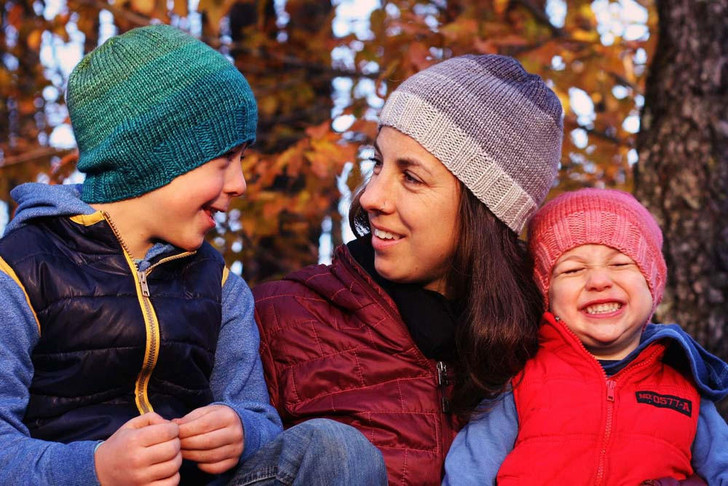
{"x":376,"y":196}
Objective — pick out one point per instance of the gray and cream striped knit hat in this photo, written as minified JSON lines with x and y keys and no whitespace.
{"x":496,"y":127}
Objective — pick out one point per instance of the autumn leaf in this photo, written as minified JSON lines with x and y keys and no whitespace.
{"x":144,"y":7}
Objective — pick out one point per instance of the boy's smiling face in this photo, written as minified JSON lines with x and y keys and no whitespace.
{"x":602,"y":296}
{"x":182,"y":212}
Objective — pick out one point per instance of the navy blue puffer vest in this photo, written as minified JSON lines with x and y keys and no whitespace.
{"x":101,"y":359}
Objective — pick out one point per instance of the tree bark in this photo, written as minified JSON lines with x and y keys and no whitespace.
{"x":682,"y":173}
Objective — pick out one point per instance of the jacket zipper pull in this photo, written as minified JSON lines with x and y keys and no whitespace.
{"x":443,"y":381}
{"x":143,"y":283}
{"x":442,"y":378}
{"x":610,"y":390}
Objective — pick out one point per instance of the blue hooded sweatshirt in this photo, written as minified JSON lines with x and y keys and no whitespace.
{"x":236,"y":380}
{"x":482,"y":445}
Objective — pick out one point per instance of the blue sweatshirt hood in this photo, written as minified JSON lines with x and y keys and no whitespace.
{"x":36,"y":200}
{"x":709,"y":372}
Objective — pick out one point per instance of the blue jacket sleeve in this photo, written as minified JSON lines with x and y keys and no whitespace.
{"x":24,"y":460}
{"x":710,"y":447}
{"x":482,"y":445}
{"x":237,"y":377}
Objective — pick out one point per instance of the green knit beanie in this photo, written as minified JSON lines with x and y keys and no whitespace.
{"x":150,"y":105}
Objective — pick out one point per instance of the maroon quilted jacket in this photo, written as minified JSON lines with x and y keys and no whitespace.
{"x":333,"y":345}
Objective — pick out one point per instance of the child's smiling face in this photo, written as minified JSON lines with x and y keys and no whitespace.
{"x":182,"y":212}
{"x":602,"y":296}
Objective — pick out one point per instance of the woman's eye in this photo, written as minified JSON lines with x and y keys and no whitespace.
{"x":377,"y":165}
{"x":411,"y":179}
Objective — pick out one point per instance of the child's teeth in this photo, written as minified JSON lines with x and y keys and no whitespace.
{"x":603,"y":308}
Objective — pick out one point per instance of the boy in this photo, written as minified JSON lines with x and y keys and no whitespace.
{"x":127,"y":346}
{"x":609,"y":398}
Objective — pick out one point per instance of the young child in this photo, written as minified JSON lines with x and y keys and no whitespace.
{"x":127,"y":346}
{"x":610,"y":398}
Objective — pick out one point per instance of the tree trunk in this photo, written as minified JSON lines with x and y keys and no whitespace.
{"x":682,"y":174}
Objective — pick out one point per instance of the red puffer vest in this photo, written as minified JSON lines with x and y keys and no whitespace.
{"x":333,"y":345}
{"x":578,"y":426}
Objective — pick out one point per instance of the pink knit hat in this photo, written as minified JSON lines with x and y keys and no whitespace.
{"x":602,"y":217}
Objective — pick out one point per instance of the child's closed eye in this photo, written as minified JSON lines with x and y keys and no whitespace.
{"x":571,"y":270}
{"x":622,"y":263}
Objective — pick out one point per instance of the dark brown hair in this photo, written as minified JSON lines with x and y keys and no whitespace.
{"x":492,"y":274}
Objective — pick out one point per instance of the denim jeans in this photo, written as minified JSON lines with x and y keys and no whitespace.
{"x":318,"y":452}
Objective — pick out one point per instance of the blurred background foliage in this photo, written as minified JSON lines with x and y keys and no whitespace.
{"x":320,"y":70}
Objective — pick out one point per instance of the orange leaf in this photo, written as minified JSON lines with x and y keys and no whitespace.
{"x":367,"y":127}
{"x":500,"y":6}
{"x":319,"y":131}
{"x":15,"y":16}
{"x":180,"y":8}
{"x":145,"y":7}
{"x":34,"y":39}
{"x":418,"y":55}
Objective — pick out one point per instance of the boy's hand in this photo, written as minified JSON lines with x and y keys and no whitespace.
{"x":211,"y":436}
{"x":145,"y":450}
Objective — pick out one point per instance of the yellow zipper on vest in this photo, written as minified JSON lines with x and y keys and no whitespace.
{"x":151,"y":324}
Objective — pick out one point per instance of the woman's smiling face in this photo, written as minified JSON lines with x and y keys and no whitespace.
{"x":412,"y":202}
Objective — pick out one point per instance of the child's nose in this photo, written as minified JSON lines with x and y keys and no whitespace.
{"x":598,"y":278}
{"x":235,"y":184}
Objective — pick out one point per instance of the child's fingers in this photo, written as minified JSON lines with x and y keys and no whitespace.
{"x":194,"y":415}
{"x":170,"y":481}
{"x":139,"y":454}
{"x":157,"y":434}
{"x":164,"y":452}
{"x":206,"y":419}
{"x":165,"y":461}
{"x":205,"y":456}
{"x":218,"y":467}
{"x":212,"y":440}
{"x":144,"y":420}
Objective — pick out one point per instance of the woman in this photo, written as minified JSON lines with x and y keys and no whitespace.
{"x":384,"y":338}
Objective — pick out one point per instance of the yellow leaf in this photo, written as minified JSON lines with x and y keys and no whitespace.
{"x":215,"y":11}
{"x":627,"y":62}
{"x":585,"y":35}
{"x":564,"y":99}
{"x":34,"y":39}
{"x":267,"y":105}
{"x":180,"y":8}
{"x":145,"y":7}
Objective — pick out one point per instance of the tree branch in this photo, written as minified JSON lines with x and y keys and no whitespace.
{"x":33,"y":155}
{"x":540,"y":16}
{"x":570,"y":120}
